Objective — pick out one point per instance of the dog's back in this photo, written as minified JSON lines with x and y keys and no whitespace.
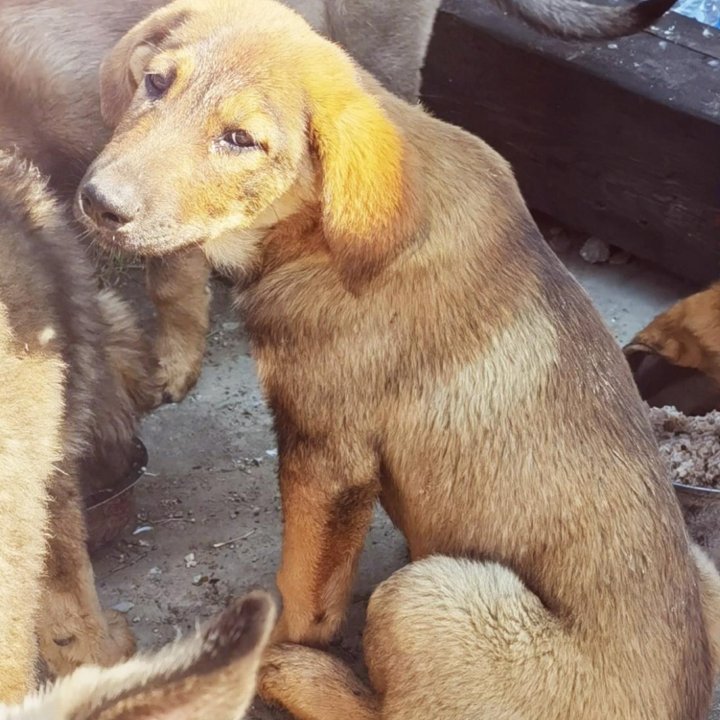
{"x":32,"y":409}
{"x":63,"y":398}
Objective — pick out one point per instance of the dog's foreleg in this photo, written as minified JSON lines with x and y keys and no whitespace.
{"x":72,"y":629}
{"x":327,"y":500}
{"x":179,"y":288}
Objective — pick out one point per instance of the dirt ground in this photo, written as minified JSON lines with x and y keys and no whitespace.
{"x":208,"y":524}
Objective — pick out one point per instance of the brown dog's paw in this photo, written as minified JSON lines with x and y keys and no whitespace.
{"x":177,"y":374}
{"x":82,"y":640}
{"x":121,"y":643}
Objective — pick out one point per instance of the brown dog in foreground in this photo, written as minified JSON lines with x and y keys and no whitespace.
{"x":50,"y":53}
{"x":210,"y":675}
{"x":72,"y":370}
{"x":420,"y":345}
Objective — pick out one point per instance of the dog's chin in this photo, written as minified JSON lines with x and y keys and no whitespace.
{"x":140,"y":244}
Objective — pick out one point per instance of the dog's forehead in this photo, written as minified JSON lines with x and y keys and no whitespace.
{"x":227,"y":71}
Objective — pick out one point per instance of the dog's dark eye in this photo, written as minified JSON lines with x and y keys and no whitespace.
{"x":157,"y":84}
{"x":240,"y":140}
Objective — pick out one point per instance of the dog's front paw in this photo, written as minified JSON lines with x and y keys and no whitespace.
{"x":177,"y":373}
{"x":120,"y":643}
{"x":84,"y":640}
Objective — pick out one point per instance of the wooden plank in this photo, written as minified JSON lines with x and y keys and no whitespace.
{"x":618,"y":139}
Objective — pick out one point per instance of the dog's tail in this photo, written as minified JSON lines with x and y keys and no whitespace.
{"x":581,"y":20}
{"x":710,"y":595}
{"x":313,"y":685}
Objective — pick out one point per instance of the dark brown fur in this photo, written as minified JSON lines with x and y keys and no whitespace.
{"x":53,"y":315}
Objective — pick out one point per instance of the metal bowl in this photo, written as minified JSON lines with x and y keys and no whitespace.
{"x":109,"y":512}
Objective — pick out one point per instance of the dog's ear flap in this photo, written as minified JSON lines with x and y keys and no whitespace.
{"x":211,"y":675}
{"x":123,"y":67}
{"x":367,"y":198}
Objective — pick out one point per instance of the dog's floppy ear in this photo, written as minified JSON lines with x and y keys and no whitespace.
{"x":368,"y":203}
{"x":210,"y":675}
{"x":123,"y":67}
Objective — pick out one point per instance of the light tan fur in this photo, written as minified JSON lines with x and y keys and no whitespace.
{"x":50,"y":52}
{"x":420,"y":345}
{"x":210,"y":675}
{"x":69,"y":361}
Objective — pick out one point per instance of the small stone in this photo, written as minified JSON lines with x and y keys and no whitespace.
{"x":595,"y":251}
{"x":272,"y":453}
{"x":190,"y":561}
{"x":199,"y":580}
{"x":256,"y":511}
{"x":231,"y":326}
{"x":124,"y":606}
{"x":155,"y":572}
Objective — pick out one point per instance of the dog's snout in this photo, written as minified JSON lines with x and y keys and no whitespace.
{"x":108,"y":209}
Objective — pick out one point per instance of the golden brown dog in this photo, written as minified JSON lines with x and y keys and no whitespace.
{"x":71,"y":364}
{"x":208,"y":676}
{"x":50,"y":52}
{"x":418,"y":344}
{"x":676,"y":358}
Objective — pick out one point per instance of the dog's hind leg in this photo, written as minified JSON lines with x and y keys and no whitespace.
{"x":454,"y":638}
{"x":73,"y":630}
{"x":179,"y":288}
{"x":313,"y":685}
{"x":31,"y":413}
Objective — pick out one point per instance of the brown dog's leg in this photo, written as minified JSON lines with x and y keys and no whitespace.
{"x":313,"y":685}
{"x":325,"y":523}
{"x":179,"y":288}
{"x":72,"y":629}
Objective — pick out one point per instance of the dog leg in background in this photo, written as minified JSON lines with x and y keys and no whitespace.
{"x":389,"y":38}
{"x":72,"y":628}
{"x":179,"y":288}
{"x":327,"y":503}
{"x":313,"y":685}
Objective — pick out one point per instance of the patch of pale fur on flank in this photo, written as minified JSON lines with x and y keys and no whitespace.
{"x":528,"y":344}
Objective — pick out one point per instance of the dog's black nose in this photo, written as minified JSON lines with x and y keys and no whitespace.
{"x":109,"y":210}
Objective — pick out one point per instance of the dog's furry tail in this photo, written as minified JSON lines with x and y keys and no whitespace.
{"x":710,"y":595}
{"x":313,"y":685}
{"x":579,"y":20}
